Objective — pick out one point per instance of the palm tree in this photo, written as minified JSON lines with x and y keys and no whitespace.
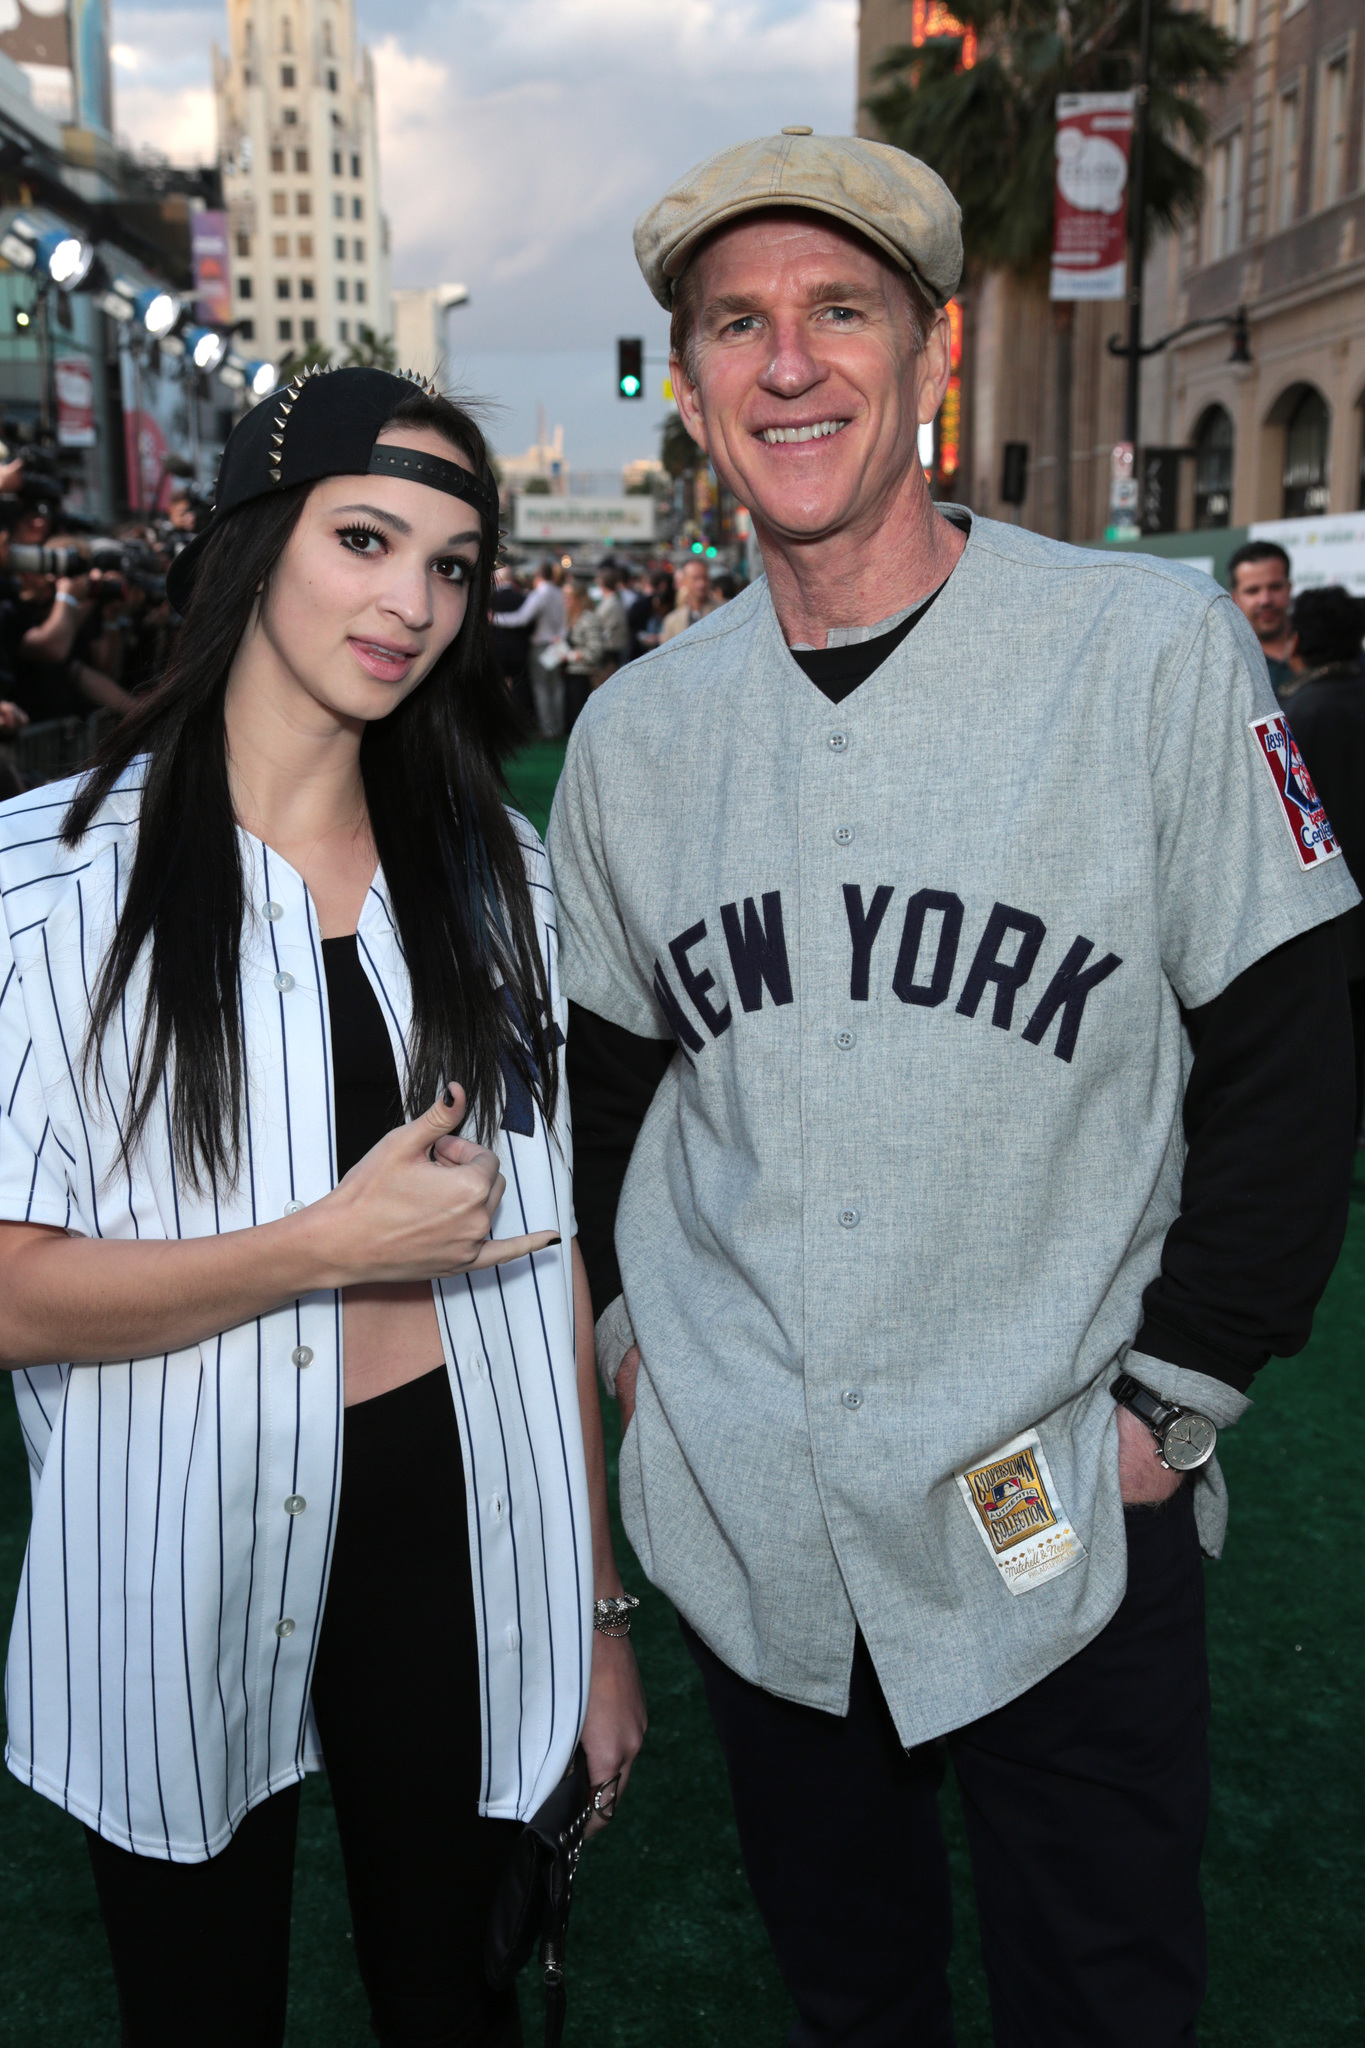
{"x":371,"y":351}
{"x":316,"y":356}
{"x":990,"y":130}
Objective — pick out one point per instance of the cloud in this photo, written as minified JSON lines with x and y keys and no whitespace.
{"x":519,"y":139}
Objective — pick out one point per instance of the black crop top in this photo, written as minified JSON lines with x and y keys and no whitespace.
{"x":368,"y":1099}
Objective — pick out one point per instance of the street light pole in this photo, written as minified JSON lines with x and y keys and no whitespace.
{"x":1137,"y":200}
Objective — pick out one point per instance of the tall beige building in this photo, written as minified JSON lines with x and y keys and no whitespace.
{"x":298,"y":146}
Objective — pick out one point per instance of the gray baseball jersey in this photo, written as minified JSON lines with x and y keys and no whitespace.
{"x":888,"y":1222}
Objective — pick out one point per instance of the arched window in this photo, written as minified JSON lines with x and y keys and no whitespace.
{"x":1213,"y":444}
{"x":1305,"y":455}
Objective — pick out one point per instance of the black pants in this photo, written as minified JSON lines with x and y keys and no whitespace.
{"x":1085,"y":1800}
{"x":1357,"y":993}
{"x":201,"y":1950}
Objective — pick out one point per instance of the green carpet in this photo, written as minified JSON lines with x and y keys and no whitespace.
{"x":666,"y":1949}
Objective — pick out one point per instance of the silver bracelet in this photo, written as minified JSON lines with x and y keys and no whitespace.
{"x":612,"y":1617}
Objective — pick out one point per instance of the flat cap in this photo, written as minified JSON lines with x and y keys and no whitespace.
{"x":881,"y":192}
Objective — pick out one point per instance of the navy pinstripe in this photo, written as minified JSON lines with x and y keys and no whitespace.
{"x":217,"y":1457}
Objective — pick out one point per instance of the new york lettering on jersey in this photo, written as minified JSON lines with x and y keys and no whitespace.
{"x":929,"y":952}
{"x":924,"y":952}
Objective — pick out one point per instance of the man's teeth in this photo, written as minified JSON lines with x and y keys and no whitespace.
{"x":772,"y":435}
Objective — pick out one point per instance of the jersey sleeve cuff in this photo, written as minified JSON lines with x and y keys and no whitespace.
{"x":1223,"y":1404}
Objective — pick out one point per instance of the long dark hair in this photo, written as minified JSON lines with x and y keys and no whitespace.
{"x":451,"y":860}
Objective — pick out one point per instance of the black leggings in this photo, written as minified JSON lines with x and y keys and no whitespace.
{"x":201,"y":1950}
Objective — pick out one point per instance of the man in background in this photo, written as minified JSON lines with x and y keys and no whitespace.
{"x":1326,"y":708}
{"x":511,"y":644}
{"x":611,"y":620}
{"x":695,"y":599}
{"x":543,"y":612}
{"x":1258,"y":577}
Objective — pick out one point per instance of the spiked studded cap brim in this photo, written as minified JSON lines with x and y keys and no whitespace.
{"x":325,"y":423}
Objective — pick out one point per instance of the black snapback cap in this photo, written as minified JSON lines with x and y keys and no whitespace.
{"x":325,"y":423}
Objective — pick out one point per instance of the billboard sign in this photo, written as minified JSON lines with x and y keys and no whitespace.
{"x":1090,"y":208}
{"x":611,"y":520}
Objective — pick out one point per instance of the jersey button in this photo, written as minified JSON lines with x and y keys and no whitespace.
{"x":851,"y":1398}
{"x":848,"y":1217}
{"x":845,"y":1040}
{"x":284,"y":1629}
{"x":274,"y":910}
{"x":302,"y":1355}
{"x":284,"y":982}
{"x":838,"y":743}
{"x":295,"y":1504}
{"x":292,"y":1208}
{"x":843,"y":835}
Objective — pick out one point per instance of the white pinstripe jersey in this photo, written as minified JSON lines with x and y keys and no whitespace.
{"x":168,"y":1614}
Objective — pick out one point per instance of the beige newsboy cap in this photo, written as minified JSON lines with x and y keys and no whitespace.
{"x":892,"y":198}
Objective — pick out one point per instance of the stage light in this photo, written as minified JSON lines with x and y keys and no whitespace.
{"x":66,"y":258}
{"x":158,"y":311}
{"x":207,"y":348}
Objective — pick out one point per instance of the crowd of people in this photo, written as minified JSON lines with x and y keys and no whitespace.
{"x":85,"y":624}
{"x":561,"y":631}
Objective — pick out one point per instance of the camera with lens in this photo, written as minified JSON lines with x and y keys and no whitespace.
{"x":132,"y":561}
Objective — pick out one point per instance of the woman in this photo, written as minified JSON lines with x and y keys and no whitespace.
{"x":285,"y":909}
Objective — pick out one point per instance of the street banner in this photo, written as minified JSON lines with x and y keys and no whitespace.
{"x":603,"y":519}
{"x":75,"y":384}
{"x":1090,"y":210}
{"x":209,"y":250}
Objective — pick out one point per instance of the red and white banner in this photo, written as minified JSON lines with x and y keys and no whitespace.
{"x":75,"y":384}
{"x":1090,"y":213}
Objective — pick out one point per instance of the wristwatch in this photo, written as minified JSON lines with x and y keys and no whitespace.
{"x":1185,"y":1439}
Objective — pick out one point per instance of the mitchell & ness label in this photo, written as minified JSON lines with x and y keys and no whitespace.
{"x":1013,"y":1502}
{"x":1308,"y":823}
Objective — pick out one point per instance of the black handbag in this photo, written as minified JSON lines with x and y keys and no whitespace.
{"x":535,"y":1894}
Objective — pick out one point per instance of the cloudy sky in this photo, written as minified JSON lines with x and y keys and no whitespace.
{"x":518,"y":141}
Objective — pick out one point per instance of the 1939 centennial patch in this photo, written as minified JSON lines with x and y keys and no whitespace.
{"x":1014,"y":1504}
{"x":1309,"y":825}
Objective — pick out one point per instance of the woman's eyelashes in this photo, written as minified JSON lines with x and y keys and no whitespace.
{"x":369,"y":542}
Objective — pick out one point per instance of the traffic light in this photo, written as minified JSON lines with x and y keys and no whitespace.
{"x":630,"y":369}
{"x":23,"y":319}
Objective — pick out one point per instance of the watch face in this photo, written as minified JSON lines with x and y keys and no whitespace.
{"x":1188,"y":1443}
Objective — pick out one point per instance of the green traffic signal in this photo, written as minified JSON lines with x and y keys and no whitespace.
{"x":630,"y":369}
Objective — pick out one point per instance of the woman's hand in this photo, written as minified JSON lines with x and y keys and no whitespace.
{"x":420,"y":1204}
{"x":616,"y":1722}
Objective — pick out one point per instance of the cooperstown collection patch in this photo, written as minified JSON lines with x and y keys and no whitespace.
{"x":1014,"y":1504}
{"x":1309,"y":825}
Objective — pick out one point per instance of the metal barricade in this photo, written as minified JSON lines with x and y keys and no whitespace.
{"x":59,"y":746}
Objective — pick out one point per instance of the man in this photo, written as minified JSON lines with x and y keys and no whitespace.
{"x":936,"y":854}
{"x":1327,"y":705}
{"x":696,"y":599}
{"x":543,"y":612}
{"x":611,"y":616}
{"x":511,"y":644}
{"x":1258,"y":577}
